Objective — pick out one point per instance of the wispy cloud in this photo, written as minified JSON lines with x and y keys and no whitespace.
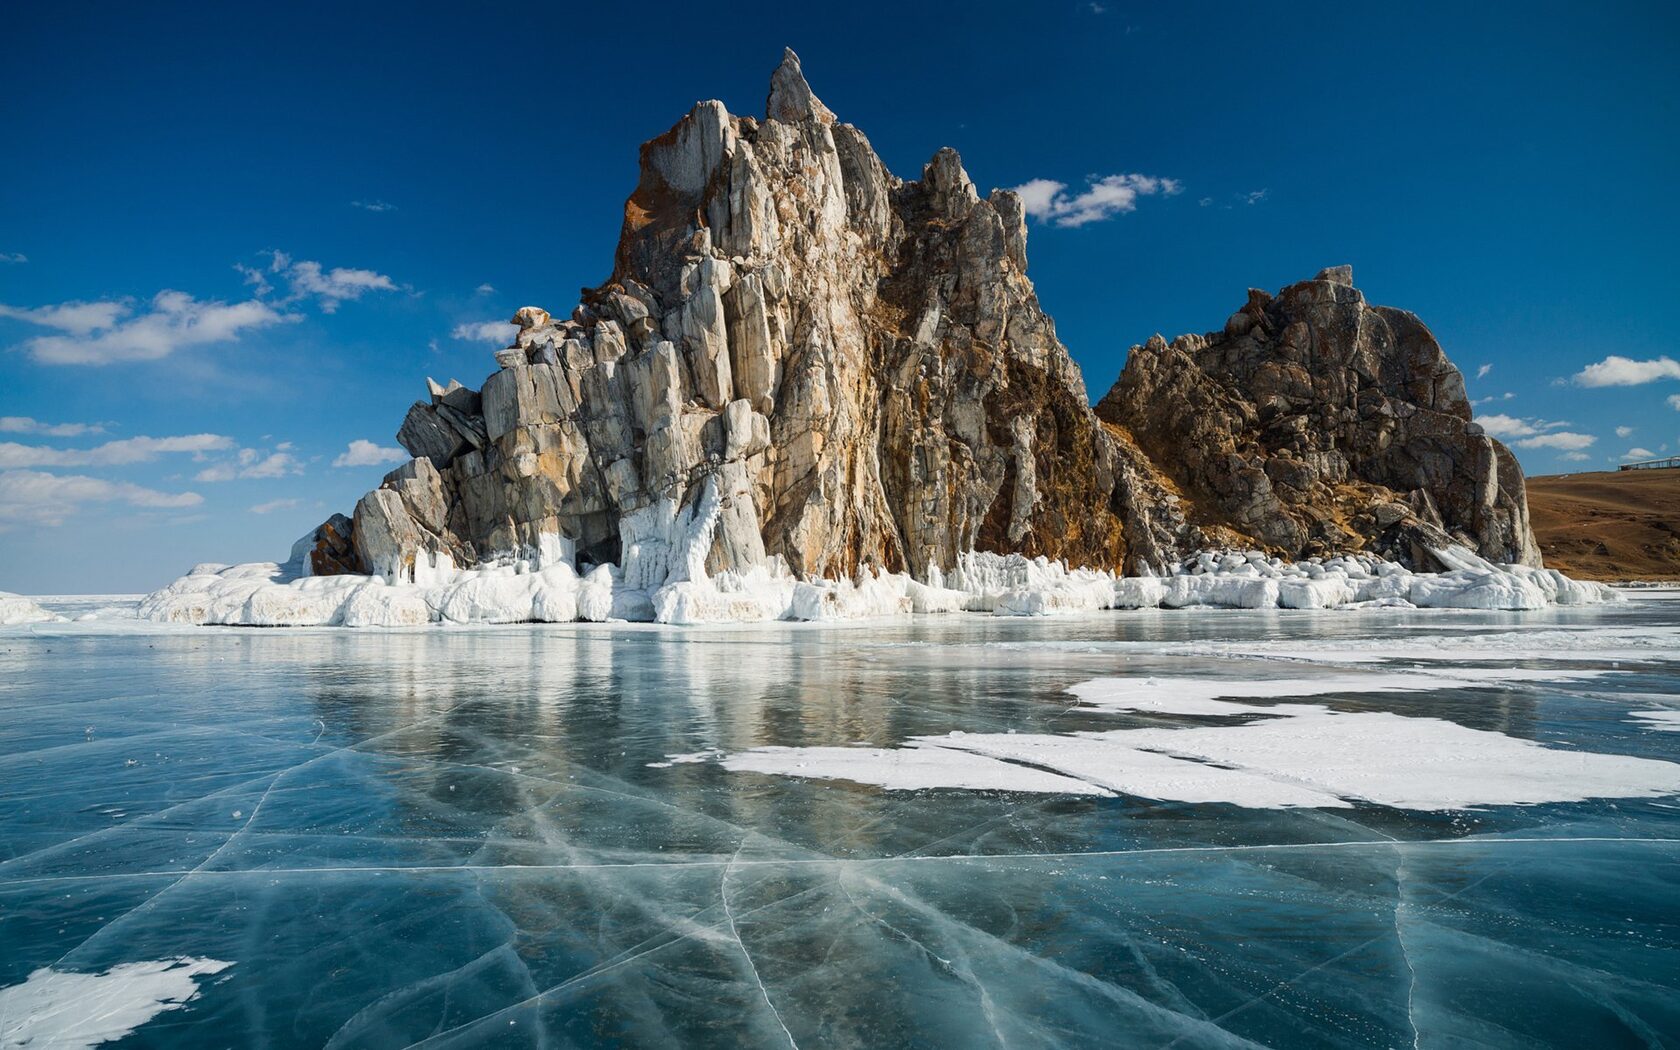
{"x":1624,"y":432}
{"x":364,"y":453}
{"x":1562,"y":440}
{"x":1502,"y":426}
{"x":1616,"y":370}
{"x":32,"y":497}
{"x":1254,"y":196}
{"x":1674,"y":402}
{"x":1506,"y":396}
{"x":1104,"y":197}
{"x":499,"y":332}
{"x":375,"y":205}
{"x":1482,"y":372}
{"x":308,"y":279}
{"x":276,"y":504}
{"x":112,"y":453}
{"x":103,"y":333}
{"x":485,"y":289}
{"x":26,"y":425}
{"x":76,"y":318}
{"x":252,"y":463}
{"x":13,"y":257}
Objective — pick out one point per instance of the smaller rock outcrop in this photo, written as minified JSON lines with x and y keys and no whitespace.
{"x":1314,"y":423}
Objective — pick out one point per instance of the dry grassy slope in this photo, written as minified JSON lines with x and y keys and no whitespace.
{"x":1612,"y":525}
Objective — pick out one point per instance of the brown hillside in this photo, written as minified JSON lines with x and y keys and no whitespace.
{"x":1610,"y":525}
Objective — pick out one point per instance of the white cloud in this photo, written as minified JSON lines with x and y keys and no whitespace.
{"x":1674,"y":402}
{"x":1105,"y":197}
{"x":309,"y":279}
{"x":110,"y":454}
{"x":276,"y":504}
{"x":485,"y":289}
{"x":1254,"y":196}
{"x":32,"y":497}
{"x":374,"y":205}
{"x":1507,"y":427}
{"x":1481,"y":373}
{"x":252,"y":463}
{"x":1205,"y":202}
{"x":499,"y":332}
{"x":1625,"y":371}
{"x":364,"y":453}
{"x":26,"y":425}
{"x":1624,"y":432}
{"x":1639,"y":453}
{"x":104,"y":333}
{"x":1563,"y":440}
{"x":1506,"y":396}
{"x":1575,"y":457}
{"x":13,"y":257}
{"x":76,"y":318}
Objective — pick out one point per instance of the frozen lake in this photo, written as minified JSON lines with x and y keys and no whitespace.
{"x":1192,"y":828}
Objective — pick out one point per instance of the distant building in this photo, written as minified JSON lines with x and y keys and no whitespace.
{"x":1654,"y":464}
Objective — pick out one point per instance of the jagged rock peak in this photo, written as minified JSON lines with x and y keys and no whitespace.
{"x":802,"y":359}
{"x":791,"y":99}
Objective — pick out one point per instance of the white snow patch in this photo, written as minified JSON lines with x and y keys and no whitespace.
{"x":16,"y":609}
{"x":1661,"y":721}
{"x":664,"y":580}
{"x":69,"y":1011}
{"x":1302,"y":755}
{"x":919,"y":766}
{"x":1214,"y":696}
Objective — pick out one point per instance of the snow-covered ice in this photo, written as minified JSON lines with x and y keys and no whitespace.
{"x":16,"y":609}
{"x":664,"y":580}
{"x":55,"y":1010}
{"x":1295,"y":755}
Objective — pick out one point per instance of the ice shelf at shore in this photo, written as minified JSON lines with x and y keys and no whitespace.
{"x":16,"y":609}
{"x":269,"y":594}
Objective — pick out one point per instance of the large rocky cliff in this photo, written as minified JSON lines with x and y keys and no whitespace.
{"x":801,"y":356}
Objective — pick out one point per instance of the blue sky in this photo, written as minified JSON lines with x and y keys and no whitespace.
{"x":237,"y":239}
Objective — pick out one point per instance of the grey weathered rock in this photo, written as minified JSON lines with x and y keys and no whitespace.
{"x":801,"y":356}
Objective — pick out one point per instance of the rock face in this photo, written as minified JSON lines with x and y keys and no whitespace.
{"x":1315,"y":423}
{"x":801,"y":356}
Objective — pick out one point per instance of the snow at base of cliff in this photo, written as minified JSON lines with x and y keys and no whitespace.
{"x":16,"y":609}
{"x":268,"y":594}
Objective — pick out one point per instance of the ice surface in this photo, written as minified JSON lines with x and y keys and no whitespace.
{"x":54,"y":1010}
{"x":1225,"y":834}
{"x":664,"y":580}
{"x":1308,"y":757}
{"x":913,"y":768}
{"x":16,"y":609}
{"x":1213,"y":696}
{"x":1662,"y":721}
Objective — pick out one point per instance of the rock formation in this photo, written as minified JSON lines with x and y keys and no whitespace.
{"x":801,"y":356}
{"x":1314,"y":423}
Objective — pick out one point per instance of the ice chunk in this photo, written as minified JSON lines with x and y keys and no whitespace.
{"x":16,"y":609}
{"x":68,"y":1011}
